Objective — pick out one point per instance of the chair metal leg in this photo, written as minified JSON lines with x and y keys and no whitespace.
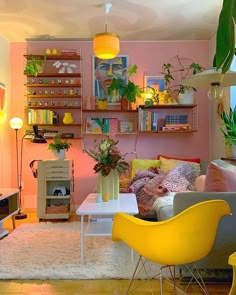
{"x":197,"y":277}
{"x":138,"y":268}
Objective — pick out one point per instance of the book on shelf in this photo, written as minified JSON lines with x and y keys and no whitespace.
{"x":148,"y":120}
{"x":176,"y":128}
{"x":68,"y":52}
{"x":94,"y":125}
{"x":126,"y":126}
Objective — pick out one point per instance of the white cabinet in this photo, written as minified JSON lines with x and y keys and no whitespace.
{"x":55,"y":185}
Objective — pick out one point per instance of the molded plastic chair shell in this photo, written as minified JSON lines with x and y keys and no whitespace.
{"x":182,"y":239}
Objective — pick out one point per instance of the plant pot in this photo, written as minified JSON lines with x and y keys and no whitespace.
{"x":234,"y":151}
{"x":186,"y":98}
{"x":124,"y":104}
{"x":61,"y":155}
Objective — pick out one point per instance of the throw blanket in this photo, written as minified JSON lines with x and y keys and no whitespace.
{"x":148,"y":185}
{"x":145,"y":198}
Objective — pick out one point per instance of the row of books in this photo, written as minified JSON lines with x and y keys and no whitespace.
{"x":39,"y":116}
{"x":108,"y":126}
{"x":148,"y":120}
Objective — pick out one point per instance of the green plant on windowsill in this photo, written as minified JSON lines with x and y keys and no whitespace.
{"x":229,"y":129}
{"x":33,"y":66}
{"x":59,"y":144}
{"x":128,"y":90}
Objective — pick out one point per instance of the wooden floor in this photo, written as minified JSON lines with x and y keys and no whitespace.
{"x":88,"y":287}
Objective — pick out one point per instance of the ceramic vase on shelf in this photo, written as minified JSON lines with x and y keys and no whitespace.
{"x":68,"y":118}
{"x":108,"y":186}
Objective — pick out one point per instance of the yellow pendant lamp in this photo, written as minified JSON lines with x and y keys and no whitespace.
{"x":106,"y":45}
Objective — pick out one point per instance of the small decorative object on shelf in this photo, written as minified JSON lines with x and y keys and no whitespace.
{"x":110,"y":164}
{"x":68,"y":118}
{"x":102,"y":104}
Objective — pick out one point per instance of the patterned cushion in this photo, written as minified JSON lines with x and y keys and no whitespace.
{"x":175,"y":181}
{"x":168,"y":164}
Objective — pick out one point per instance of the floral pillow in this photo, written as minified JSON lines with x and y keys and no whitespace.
{"x":179,"y":179}
{"x":169,"y":164}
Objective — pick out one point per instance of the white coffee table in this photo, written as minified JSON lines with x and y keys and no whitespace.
{"x":126,"y":203}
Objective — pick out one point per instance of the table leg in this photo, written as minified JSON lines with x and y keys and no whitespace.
{"x":82,"y":239}
{"x":13,"y":221}
{"x":233,"y":287}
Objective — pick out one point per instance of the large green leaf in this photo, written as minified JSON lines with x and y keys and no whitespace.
{"x":225,"y":40}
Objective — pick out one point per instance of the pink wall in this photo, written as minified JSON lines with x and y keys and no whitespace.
{"x":149,"y":57}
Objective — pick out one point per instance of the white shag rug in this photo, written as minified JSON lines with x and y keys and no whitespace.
{"x":52,"y":251}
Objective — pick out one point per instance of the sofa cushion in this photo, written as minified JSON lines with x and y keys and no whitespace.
{"x":195,"y":160}
{"x":178,"y":179}
{"x":143,"y":164}
{"x":169,"y":164}
{"x":220,"y":179}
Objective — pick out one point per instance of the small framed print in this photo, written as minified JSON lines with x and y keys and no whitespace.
{"x":156,"y":82}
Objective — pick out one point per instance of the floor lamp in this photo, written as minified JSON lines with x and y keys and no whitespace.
{"x":16,"y":124}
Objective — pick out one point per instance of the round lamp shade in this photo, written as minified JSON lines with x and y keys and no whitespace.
{"x":211,"y":76}
{"x":106,"y":45}
{"x":16,"y":123}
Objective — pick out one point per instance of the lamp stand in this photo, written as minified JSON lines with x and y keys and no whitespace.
{"x":20,"y":214}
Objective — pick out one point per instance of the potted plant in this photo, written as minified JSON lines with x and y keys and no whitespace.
{"x":180,"y":68}
{"x":127,"y":91}
{"x":59,"y":146}
{"x":33,"y":66}
{"x":229,"y":129}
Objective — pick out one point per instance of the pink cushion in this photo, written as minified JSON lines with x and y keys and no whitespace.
{"x":219,"y":179}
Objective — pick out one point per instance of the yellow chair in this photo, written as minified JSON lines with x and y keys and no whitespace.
{"x":182,"y":239}
{"x":232,"y":261}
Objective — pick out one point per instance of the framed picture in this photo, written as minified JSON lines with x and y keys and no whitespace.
{"x":156,"y":82}
{"x":103,"y":71}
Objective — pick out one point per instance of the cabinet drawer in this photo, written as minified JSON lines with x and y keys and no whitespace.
{"x":57,"y":165}
{"x":58,"y":174}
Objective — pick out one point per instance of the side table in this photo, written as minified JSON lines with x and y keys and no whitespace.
{"x":126,"y":203}
{"x":8,"y":207}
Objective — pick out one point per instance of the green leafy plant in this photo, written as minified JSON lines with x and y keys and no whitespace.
{"x":181,"y":68}
{"x":127,"y":90}
{"x":107,"y":156}
{"x":33,"y":66}
{"x":229,"y":130}
{"x":154,"y":96}
{"x":225,"y":36}
{"x":58,"y":144}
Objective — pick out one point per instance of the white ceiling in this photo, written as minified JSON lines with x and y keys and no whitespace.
{"x":135,"y":20}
